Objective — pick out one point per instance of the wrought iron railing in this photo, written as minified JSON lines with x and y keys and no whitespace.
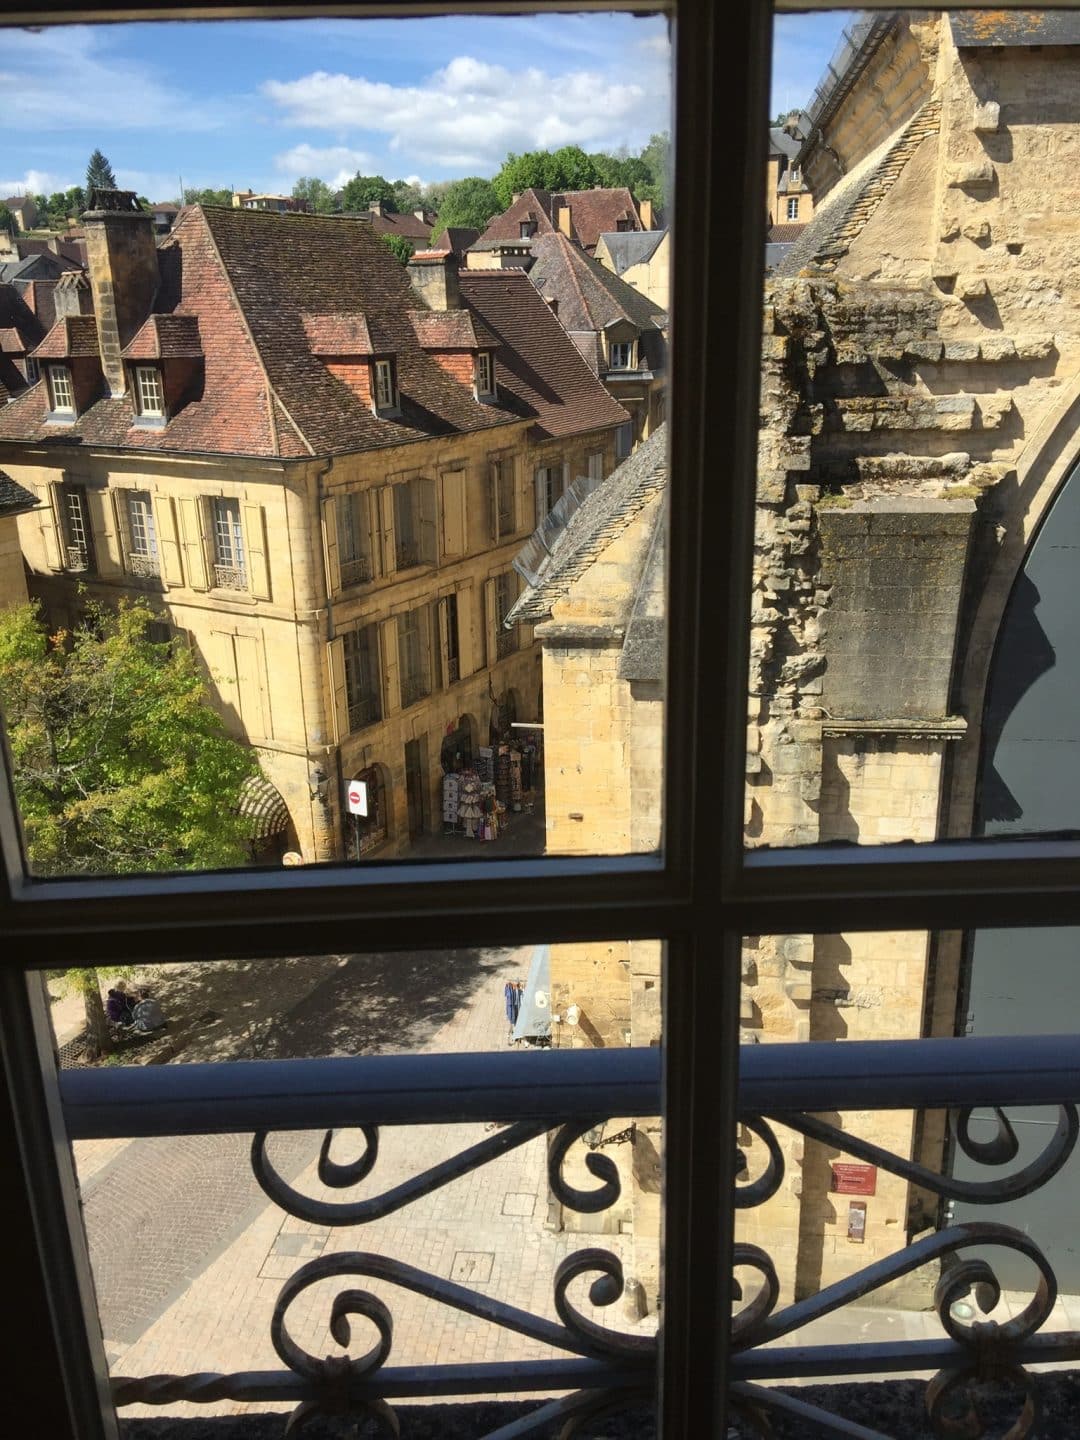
{"x":230,"y":577}
{"x":782,"y":1088}
{"x":364,"y":711}
{"x":408,"y":554}
{"x":144,"y":566}
{"x":78,"y":557}
{"x":453,"y":670}
{"x":506,"y":642}
{"x":413,"y":688}
{"x":355,"y":572}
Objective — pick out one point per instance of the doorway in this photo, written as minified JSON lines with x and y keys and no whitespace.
{"x":416,"y":786}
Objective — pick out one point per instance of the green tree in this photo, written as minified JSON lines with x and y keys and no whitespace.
{"x":656,"y":157}
{"x":407,"y":198}
{"x":399,"y":246}
{"x":65,"y":205}
{"x":470,"y":202}
{"x":316,"y":192}
{"x":358,"y":193}
{"x":566,"y":169}
{"x":85,"y":981}
{"x":99,"y":174}
{"x":8,"y":221}
{"x":207,"y":197}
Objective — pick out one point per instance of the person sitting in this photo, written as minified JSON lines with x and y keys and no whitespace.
{"x":118,"y":1008}
{"x":147,"y":1013}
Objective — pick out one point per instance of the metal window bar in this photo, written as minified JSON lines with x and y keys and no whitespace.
{"x":356,"y":572}
{"x":413,"y":688}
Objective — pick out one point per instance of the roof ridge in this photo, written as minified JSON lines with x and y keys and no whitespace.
{"x":271,"y":389}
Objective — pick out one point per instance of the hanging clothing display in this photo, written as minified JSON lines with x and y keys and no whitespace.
{"x":512,"y":992}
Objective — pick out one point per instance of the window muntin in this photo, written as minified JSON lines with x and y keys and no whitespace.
{"x":361,"y":651}
{"x":354,"y":538}
{"x":621,"y":354}
{"x":76,"y":528}
{"x":61,"y":389}
{"x":414,"y":655}
{"x":143,"y":553}
{"x":385,"y":385}
{"x":149,"y":391}
{"x":793,"y":208}
{"x":230,"y":572}
{"x":485,"y":373}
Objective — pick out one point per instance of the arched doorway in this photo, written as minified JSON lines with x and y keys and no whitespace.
{"x":368,"y":829}
{"x":1029,"y":781}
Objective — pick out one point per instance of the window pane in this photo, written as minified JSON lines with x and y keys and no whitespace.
{"x":364,"y":559}
{"x":216,"y":1244}
{"x":912,"y":672}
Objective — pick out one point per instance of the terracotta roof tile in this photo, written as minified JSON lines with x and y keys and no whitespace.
{"x":11,"y":342}
{"x":13,"y":498}
{"x":70,"y":337}
{"x":164,"y":337}
{"x":538,"y":364}
{"x":594,"y":211}
{"x":530,"y":205}
{"x":338,"y":334}
{"x":451,"y":330}
{"x":590,"y":296}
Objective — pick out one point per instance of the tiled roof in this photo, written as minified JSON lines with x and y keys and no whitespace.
{"x":530,"y":205}
{"x":456,"y":238}
{"x":450,"y":330}
{"x":338,"y":334}
{"x":20,"y":328}
{"x":590,"y":296}
{"x":600,"y":519}
{"x":11,"y":342}
{"x":13,"y":498}
{"x":164,"y":337}
{"x":71,"y":337}
{"x":592,"y":212}
{"x":630,"y":247}
{"x":537,"y":362}
{"x":409,"y":226}
{"x":784,"y":234}
{"x":250,"y":277}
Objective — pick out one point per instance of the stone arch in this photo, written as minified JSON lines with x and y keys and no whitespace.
{"x":1023,"y":502}
{"x":365,"y":834}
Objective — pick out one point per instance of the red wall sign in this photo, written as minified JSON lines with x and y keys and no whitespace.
{"x":851,"y":1179}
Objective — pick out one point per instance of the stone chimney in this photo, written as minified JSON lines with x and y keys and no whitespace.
{"x":376,"y":207}
{"x":72,"y":295}
{"x":515,"y":197}
{"x":434,"y":276}
{"x":564,"y":221}
{"x":645,"y":211}
{"x":124,"y":275}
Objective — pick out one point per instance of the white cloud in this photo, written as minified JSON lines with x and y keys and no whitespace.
{"x":37,"y":182}
{"x":95,"y":82}
{"x":333,"y":163}
{"x":467,"y":115}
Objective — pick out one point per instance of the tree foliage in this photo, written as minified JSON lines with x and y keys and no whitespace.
{"x":407,"y":198}
{"x":470,"y":203}
{"x":358,"y":193}
{"x":317,"y":193}
{"x":207,"y":197}
{"x":8,"y":221}
{"x":64,"y":205}
{"x":120,"y":764}
{"x":566,"y":169}
{"x":399,"y":246}
{"x":99,"y":174}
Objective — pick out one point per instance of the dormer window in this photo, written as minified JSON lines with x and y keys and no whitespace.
{"x":31,"y":366}
{"x":796,"y":174}
{"x":385,"y":385}
{"x":621,"y":355}
{"x":526,"y":229}
{"x":61,"y":390}
{"x":149,"y":393}
{"x":485,"y":374}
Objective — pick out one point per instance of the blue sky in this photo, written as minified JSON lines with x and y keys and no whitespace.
{"x":258,"y":104}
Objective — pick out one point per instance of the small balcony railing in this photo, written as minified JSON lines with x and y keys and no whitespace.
{"x":506,"y":642}
{"x":145,"y":567}
{"x":453,"y":670}
{"x":230,"y":577}
{"x":785,"y":1089}
{"x":364,"y":711}
{"x":355,"y":572}
{"x":78,"y":557}
{"x":413,"y":688}
{"x":408,"y":554}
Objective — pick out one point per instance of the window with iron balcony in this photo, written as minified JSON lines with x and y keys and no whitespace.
{"x":354,"y":538}
{"x":361,"y":650}
{"x":230,"y":571}
{"x":76,"y":525}
{"x":142,"y":536}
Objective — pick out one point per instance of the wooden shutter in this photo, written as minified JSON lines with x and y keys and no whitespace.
{"x":429,"y":522}
{"x":453,"y":513}
{"x":253,"y":520}
{"x":119,"y":500}
{"x":193,"y":543}
{"x":465,"y":621}
{"x":444,"y":643}
{"x":101,"y":525}
{"x":52,"y":532}
{"x":339,"y":700}
{"x":388,"y":648}
{"x":540,"y":493}
{"x":168,"y":544}
{"x":250,"y":685}
{"x":491,"y":627}
{"x":330,"y":544}
{"x":385,"y":521}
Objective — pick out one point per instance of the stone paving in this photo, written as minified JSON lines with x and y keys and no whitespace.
{"x":189,"y":1257}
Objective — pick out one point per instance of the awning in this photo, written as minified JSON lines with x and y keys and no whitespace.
{"x":262,"y":807}
{"x":534,"y":1015}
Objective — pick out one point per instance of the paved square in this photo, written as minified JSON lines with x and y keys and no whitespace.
{"x":519,"y":1204}
{"x":472,"y":1267}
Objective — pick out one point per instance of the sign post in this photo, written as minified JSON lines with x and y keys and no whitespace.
{"x":356,"y":798}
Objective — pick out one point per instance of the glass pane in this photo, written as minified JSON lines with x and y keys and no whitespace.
{"x":486,"y":1176}
{"x":913,"y":633}
{"x":913,"y":1179}
{"x":534,"y":269}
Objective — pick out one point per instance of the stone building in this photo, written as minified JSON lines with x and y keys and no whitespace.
{"x":788,"y":197}
{"x":319,"y":467}
{"x":14,"y":501}
{"x":641,"y":258}
{"x":919,"y":399}
{"x":581,"y":215}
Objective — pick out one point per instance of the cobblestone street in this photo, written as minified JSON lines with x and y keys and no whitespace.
{"x":189,"y":1256}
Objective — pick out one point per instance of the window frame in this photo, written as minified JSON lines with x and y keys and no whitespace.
{"x":793,"y":208}
{"x":60,"y":376}
{"x":141,"y":533}
{"x":230,"y":556}
{"x":139,"y":373}
{"x":485,"y":375}
{"x":380,"y":370}
{"x":700,"y":895}
{"x":617,"y":347}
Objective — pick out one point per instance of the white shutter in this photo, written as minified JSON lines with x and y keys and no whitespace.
{"x":52,"y":531}
{"x":339,"y":701}
{"x":453,"y":513}
{"x":444,"y":643}
{"x":491,"y":622}
{"x":104,"y":542}
{"x":540,"y":493}
{"x":330,"y":545}
{"x":385,"y":502}
{"x":193,"y":543}
{"x":493,"y":502}
{"x":168,"y":544}
{"x":258,"y":570}
{"x":466,"y":607}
